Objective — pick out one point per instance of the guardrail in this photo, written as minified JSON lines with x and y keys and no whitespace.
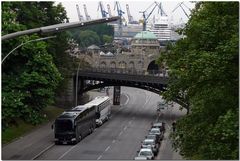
{"x":128,"y":71}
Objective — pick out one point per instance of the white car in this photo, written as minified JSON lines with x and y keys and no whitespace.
{"x":150,"y":143}
{"x":140,"y":158}
{"x":146,"y":152}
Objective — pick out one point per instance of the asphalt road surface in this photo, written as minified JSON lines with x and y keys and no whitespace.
{"x":117,"y":139}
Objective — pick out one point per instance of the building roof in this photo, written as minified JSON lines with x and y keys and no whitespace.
{"x":145,"y":35}
{"x":93,"y":47}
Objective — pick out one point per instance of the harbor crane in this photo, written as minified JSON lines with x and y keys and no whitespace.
{"x":88,"y":18}
{"x":160,"y":9}
{"x":120,"y":14}
{"x":109,"y":11}
{"x":103,"y":11}
{"x":80,"y":17}
{"x":181,"y":4}
{"x":146,"y":16}
{"x":119,"y":10}
{"x":130,"y":17}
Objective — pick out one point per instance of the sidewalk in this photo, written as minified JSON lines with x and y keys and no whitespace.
{"x":166,"y":151}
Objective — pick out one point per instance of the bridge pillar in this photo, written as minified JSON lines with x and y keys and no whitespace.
{"x":116,"y":95}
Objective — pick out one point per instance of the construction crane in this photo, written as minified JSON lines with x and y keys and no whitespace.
{"x":120,"y":14}
{"x":181,"y":4}
{"x":130,"y":17}
{"x":160,"y":9}
{"x":80,"y":17}
{"x":101,"y":7}
{"x":88,"y":18}
{"x":119,"y":11}
{"x":109,"y":11}
{"x":145,"y":16}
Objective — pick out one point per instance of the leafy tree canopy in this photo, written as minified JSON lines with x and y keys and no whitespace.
{"x":102,"y":32}
{"x":204,"y":72}
{"x":30,"y":75}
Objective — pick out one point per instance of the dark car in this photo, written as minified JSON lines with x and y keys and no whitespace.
{"x":154,"y":137}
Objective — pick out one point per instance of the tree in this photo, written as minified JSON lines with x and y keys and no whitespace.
{"x":204,"y":74}
{"x":104,"y":33}
{"x":107,"y":39}
{"x":29,"y":76}
{"x":86,"y":38}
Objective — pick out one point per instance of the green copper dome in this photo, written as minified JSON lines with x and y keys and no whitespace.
{"x":145,"y":35}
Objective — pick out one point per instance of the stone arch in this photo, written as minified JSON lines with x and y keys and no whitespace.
{"x":122,"y":64}
{"x":131,"y":65}
{"x":103,"y":64}
{"x":113,"y":64}
{"x":153,"y":67}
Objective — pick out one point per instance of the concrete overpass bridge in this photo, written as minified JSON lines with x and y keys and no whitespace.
{"x":93,"y":78}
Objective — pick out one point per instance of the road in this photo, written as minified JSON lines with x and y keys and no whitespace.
{"x":117,"y":139}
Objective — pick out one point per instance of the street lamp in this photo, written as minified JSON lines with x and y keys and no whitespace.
{"x":40,"y":39}
{"x":76,"y":99}
{"x":59,"y":27}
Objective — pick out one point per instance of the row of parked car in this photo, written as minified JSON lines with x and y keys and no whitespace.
{"x":150,"y":145}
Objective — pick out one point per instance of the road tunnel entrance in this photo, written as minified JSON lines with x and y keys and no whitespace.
{"x":153,"y":67}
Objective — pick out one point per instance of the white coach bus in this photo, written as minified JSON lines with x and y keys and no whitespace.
{"x":103,"y":108}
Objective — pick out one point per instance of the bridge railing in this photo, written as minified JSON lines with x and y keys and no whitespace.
{"x":129,"y":71}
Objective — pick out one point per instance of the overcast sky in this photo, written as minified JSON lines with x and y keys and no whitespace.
{"x":134,"y":6}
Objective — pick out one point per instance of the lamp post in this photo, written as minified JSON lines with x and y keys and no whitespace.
{"x":76,"y":97}
{"x":59,"y":27}
{"x":40,"y":39}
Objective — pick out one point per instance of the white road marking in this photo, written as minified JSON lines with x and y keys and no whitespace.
{"x":127,"y":99}
{"x":130,"y":122}
{"x":43,"y":151}
{"x":99,"y":157}
{"x":125,"y":128}
{"x":120,"y":133}
{"x":66,"y":152}
{"x":113,"y":141}
{"x":107,"y":148}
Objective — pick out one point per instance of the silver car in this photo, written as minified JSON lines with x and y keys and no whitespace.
{"x":150,"y":143}
{"x":146,"y":152}
{"x":156,"y":131}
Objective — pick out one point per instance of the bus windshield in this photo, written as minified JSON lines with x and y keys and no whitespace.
{"x":63,"y":125}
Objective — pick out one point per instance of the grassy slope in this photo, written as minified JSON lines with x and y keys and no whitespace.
{"x":23,"y":128}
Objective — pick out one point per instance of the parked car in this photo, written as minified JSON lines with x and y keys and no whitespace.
{"x":161,"y":105}
{"x":150,"y":143}
{"x":154,"y":137}
{"x":140,"y":158}
{"x":160,"y":125}
{"x":156,"y":131}
{"x":146,"y":152}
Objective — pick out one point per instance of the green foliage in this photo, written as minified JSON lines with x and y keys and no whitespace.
{"x":86,"y":38}
{"x":23,"y":128}
{"x":100,"y":34}
{"x":29,"y":75}
{"x":204,"y":74}
{"x":107,"y":39}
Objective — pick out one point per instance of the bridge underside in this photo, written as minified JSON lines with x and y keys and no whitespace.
{"x":149,"y":87}
{"x":151,"y":83}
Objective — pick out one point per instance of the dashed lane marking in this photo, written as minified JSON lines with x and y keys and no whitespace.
{"x":107,"y":148}
{"x":66,"y":152}
{"x":99,"y":157}
{"x":43,"y":151}
{"x":120,"y":133}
